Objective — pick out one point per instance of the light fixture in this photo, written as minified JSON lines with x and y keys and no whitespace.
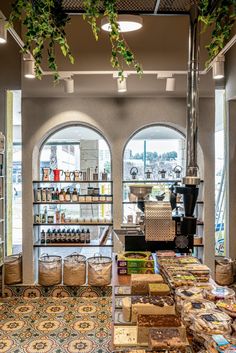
{"x":28,"y":65}
{"x":127,"y":23}
{"x":3,"y":31}
{"x":121,"y":85}
{"x":69,"y":86}
{"x":170,"y":84}
{"x":218,"y":68}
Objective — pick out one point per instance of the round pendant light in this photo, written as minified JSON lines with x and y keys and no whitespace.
{"x":127,"y":23}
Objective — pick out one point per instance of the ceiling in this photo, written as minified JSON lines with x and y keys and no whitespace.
{"x":162,"y":44}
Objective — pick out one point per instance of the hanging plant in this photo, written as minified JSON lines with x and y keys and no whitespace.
{"x":222,"y":20}
{"x":45,"y":22}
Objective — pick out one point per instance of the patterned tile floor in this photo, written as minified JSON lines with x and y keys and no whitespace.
{"x":55,"y":325}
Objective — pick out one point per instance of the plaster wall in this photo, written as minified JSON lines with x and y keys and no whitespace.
{"x":117,"y":119}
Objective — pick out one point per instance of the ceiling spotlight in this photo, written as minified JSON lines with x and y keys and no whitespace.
{"x":28,"y":66}
{"x":170,"y":84}
{"x":218,"y":68}
{"x":121,"y":85}
{"x":3,"y":31}
{"x":127,"y":23}
{"x":69,"y":86}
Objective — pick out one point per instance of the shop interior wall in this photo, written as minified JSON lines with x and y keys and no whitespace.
{"x":230,"y":73}
{"x":117,"y":119}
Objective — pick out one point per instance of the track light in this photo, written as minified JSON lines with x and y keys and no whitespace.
{"x":121,"y":85}
{"x":3,"y":31}
{"x":28,"y":66}
{"x":69,"y":86}
{"x":218,"y":68}
{"x":170,"y":84}
{"x":127,"y":23}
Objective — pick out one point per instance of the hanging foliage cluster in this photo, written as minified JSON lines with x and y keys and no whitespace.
{"x":45,"y":21}
{"x":221,"y":20}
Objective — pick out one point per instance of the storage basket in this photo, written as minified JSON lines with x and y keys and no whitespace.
{"x":50,"y":270}
{"x":99,"y":271}
{"x":13,"y":269}
{"x":224,"y":275}
{"x":74,"y":270}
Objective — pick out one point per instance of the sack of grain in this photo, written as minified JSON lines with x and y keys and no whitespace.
{"x":13,"y":269}
{"x":99,"y":271}
{"x":74,"y":270}
{"x":50,"y":270}
{"x":224,"y":275}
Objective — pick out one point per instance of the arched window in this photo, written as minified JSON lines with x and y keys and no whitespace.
{"x":80,"y":158}
{"x":155,"y":155}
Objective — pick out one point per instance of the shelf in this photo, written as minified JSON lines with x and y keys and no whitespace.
{"x":74,"y":203}
{"x":72,"y":182}
{"x":198,"y":246}
{"x":154,"y":181}
{"x":64,"y":245}
{"x":74,"y":224}
{"x":134,"y":202}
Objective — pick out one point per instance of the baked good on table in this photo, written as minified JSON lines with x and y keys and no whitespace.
{"x":188,"y":260}
{"x":182,"y":279}
{"x":158,"y":289}
{"x":228,"y":306}
{"x":166,"y":338}
{"x":126,"y":308}
{"x":184,"y":293}
{"x":146,"y":322}
{"x":125,"y":336}
{"x":139,"y":282}
{"x":218,"y":293}
{"x":151,"y":305}
{"x":192,"y":307}
{"x":212,"y":322}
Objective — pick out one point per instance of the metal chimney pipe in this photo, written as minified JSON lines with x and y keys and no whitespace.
{"x":192,"y":100}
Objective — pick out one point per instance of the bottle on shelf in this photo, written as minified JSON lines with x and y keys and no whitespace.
{"x":43,"y":195}
{"x":61,"y":195}
{"x":77,"y":236}
{"x":48,"y":236}
{"x":49,"y":195}
{"x":37,"y":196}
{"x":82,"y":236}
{"x":43,"y":237}
{"x":87,"y":236}
{"x":68,"y":195}
{"x":74,"y":195}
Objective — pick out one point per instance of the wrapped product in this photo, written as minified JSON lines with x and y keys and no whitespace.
{"x":228,"y":306}
{"x":139,"y":282}
{"x":145,"y":305}
{"x":167,"y":338}
{"x":185,"y":293}
{"x":218,"y":293}
{"x":212,"y":322}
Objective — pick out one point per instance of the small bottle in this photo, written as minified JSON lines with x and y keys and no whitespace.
{"x":68,"y":195}
{"x":38,"y":195}
{"x":56,"y":195}
{"x":68,"y":232}
{"x":58,"y":236}
{"x":48,"y":236}
{"x":74,"y":195}
{"x":77,"y":236}
{"x":82,"y":236}
{"x":49,"y":195}
{"x":58,"y":216}
{"x":53,"y":236}
{"x":43,"y":237}
{"x":61,"y":195}
{"x":87,"y":236}
{"x":63,"y":236}
{"x":72,"y":236}
{"x":44,"y":195}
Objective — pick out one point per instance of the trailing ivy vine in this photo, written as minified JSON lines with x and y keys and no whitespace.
{"x":222,"y":20}
{"x":45,"y":22}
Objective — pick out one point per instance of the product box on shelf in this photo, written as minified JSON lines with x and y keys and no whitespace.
{"x":135,"y":259}
{"x":134,"y":270}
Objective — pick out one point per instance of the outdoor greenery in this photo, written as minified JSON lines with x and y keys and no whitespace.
{"x":45,"y":21}
{"x":221,"y":20}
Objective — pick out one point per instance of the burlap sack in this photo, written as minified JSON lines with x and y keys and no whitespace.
{"x":50,"y":270}
{"x":99,"y":271}
{"x":13,"y":269}
{"x":74,"y":270}
{"x":224,"y":273}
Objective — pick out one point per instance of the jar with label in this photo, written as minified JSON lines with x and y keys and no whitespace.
{"x":87,"y":236}
{"x":38,"y":195}
{"x":63,"y":216}
{"x":96,"y":191}
{"x":37,"y":218}
{"x":74,"y":195}
{"x":61,"y":195}
{"x":44,"y":195}
{"x":68,"y":195}
{"x":82,"y":236}
{"x":51,"y":219}
{"x":90,"y":191}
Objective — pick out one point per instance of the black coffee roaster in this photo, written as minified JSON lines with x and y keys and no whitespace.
{"x":185,"y":222}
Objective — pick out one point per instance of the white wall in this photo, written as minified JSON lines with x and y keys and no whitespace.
{"x":117,"y":119}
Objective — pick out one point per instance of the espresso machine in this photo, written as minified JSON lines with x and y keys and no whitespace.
{"x":162,"y":226}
